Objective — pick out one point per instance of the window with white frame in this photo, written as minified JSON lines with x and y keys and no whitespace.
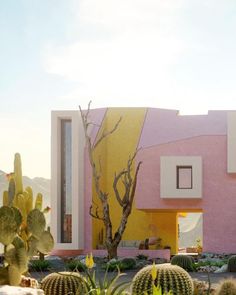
{"x":184,"y":178}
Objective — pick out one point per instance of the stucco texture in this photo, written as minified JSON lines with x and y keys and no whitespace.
{"x":164,"y":133}
{"x":111,"y":155}
{"x":218,"y":201}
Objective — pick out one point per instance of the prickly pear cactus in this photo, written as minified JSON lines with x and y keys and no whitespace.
{"x":45,"y":242}
{"x":39,"y":201}
{"x":169,"y":278}
{"x":22,"y":228}
{"x":36,"y":222}
{"x":15,"y":255}
{"x":10,"y":221}
{"x":63,"y":283}
{"x":22,"y":199}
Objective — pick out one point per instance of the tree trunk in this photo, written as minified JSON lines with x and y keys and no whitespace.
{"x":41,"y":256}
{"x":112,"y":251}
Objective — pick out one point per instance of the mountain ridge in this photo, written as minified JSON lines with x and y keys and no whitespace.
{"x":38,"y":185}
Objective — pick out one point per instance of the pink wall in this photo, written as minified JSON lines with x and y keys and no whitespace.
{"x":96,"y":117}
{"x":163,"y":126}
{"x":219,"y":188}
{"x":165,"y":133}
{"x":165,"y":253}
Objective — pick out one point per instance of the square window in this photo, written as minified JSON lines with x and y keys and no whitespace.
{"x":184,"y":177}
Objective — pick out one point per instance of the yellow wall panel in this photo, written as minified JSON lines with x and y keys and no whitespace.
{"x":111,"y":156}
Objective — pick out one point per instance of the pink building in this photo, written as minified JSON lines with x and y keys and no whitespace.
{"x":188,"y":165}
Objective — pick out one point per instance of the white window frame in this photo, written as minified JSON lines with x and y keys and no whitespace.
{"x":78,"y":144}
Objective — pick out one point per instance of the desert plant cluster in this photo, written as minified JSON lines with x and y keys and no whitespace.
{"x":153,"y":279}
{"x":23,"y":230}
{"x":26,"y":239}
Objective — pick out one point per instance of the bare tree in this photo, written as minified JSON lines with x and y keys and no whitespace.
{"x":124,"y":200}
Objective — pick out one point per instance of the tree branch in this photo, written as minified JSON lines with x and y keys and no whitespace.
{"x":134,"y":184}
{"x":115,"y":182}
{"x":125,"y":176}
{"x":96,"y":214}
{"x":107,"y":133}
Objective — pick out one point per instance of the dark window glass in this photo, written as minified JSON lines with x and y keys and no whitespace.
{"x":66,"y":185}
{"x":184,"y":177}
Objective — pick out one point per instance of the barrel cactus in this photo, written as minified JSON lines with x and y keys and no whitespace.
{"x":232,"y":263}
{"x":227,"y":287}
{"x":62,"y":283}
{"x":169,"y":278}
{"x":184,"y":261}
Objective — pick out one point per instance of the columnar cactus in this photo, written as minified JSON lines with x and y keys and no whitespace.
{"x":169,"y":278}
{"x":184,"y":261}
{"x":232,"y":263}
{"x":22,"y":228}
{"x":21,"y":198}
{"x":227,"y":287}
{"x":18,"y":174}
{"x":63,"y":283}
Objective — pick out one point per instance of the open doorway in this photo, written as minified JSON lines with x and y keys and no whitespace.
{"x":190,"y":232}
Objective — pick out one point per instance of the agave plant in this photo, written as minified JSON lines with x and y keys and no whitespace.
{"x":102,"y":286}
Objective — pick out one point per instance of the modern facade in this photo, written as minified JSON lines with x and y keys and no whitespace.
{"x":188,"y":165}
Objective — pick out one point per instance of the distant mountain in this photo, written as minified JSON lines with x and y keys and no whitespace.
{"x":38,"y":185}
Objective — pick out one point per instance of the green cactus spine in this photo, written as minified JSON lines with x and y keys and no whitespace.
{"x":227,"y":287}
{"x":29,"y":199}
{"x":11,"y":191}
{"x":5,"y":200}
{"x":18,"y":174}
{"x":232,"y":264}
{"x":62,"y":283}
{"x":169,"y":278}
{"x":39,"y":201}
{"x":184,"y":261}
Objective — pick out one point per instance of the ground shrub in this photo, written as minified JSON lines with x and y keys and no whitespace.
{"x":76,"y":265}
{"x":39,"y":265}
{"x":142,"y":257}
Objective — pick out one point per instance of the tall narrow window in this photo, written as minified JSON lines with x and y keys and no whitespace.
{"x":66,"y":184}
{"x":184,"y":177}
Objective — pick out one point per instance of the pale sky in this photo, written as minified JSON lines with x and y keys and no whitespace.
{"x":57,"y":54}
